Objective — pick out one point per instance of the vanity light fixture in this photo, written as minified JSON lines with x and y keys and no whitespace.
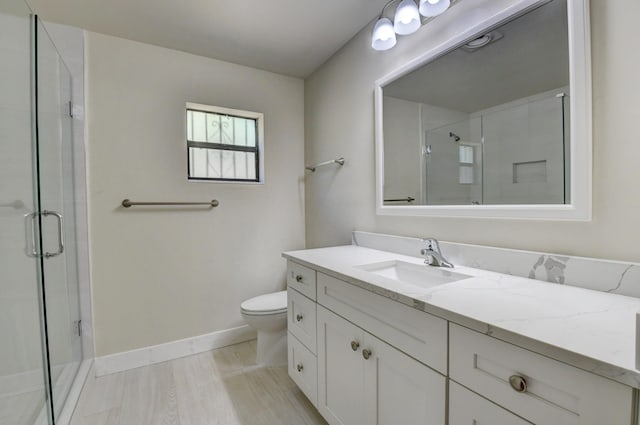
{"x":384,"y":37}
{"x":407,"y":20}
{"x":432,"y":8}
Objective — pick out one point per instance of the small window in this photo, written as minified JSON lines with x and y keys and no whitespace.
{"x":465,"y":166}
{"x":224,"y":144}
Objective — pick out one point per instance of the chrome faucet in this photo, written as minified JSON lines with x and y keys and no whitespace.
{"x":433,"y":254}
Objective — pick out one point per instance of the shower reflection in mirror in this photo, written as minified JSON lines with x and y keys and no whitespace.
{"x":486,"y":123}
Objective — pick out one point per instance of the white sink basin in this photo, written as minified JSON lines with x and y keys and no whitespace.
{"x":420,"y":275}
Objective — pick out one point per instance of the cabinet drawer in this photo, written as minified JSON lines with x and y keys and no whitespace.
{"x":552,"y":392}
{"x":303,"y":368}
{"x":302,"y":279}
{"x":468,"y":408}
{"x":301,"y":318}
{"x":418,"y":334}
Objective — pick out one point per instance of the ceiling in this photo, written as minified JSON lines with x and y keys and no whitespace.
{"x":291,"y":37}
{"x":532,"y":57}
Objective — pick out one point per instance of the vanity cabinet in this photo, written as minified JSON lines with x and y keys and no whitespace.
{"x":363,"y":358}
{"x":363,"y":380}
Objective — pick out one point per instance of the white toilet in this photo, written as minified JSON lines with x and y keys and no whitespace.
{"x":268,"y":315}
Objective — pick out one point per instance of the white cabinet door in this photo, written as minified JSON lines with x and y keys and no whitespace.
{"x":365,"y":381}
{"x":340,"y":369}
{"x":468,"y":408}
{"x":302,"y":367}
{"x":399,"y":389}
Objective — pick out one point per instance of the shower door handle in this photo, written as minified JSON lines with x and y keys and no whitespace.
{"x":33,"y":252}
{"x":58,"y":216}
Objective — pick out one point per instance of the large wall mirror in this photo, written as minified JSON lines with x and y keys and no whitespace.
{"x":496,"y":123}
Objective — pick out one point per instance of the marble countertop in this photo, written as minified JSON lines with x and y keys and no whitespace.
{"x":591,"y":330}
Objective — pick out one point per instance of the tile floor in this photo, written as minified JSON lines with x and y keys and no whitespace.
{"x":222,"y":386}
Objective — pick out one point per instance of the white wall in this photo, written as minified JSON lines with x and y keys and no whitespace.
{"x":402,"y":149}
{"x":162,"y":274}
{"x":339,"y":122}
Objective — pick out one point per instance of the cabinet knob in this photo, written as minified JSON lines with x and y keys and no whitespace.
{"x":299,"y":317}
{"x":366,"y":354}
{"x":300,"y":367}
{"x":518,"y":383}
{"x":355,"y":345}
{"x":299,"y":278}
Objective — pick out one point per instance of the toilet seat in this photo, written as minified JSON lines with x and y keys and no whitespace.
{"x":267,"y":304}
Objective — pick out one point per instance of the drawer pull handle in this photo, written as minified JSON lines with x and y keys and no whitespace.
{"x":518,"y":383}
{"x":299,"y":317}
{"x":300,"y":367}
{"x":355,"y":345}
{"x":366,"y":354}
{"x":299,"y":278}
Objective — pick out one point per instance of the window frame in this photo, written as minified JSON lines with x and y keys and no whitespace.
{"x":258,"y":150}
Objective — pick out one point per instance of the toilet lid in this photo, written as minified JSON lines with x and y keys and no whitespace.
{"x":266,"y":304}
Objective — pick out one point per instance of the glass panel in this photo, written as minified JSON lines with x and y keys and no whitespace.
{"x":199,"y":126}
{"x":56,"y":171}
{"x":251,"y":166}
{"x":213,"y":128}
{"x":189,"y":125}
{"x":240,"y":131}
{"x":466,"y":154}
{"x":222,"y":164}
{"x":218,"y":128}
{"x":453,"y":164}
{"x":251,"y":132}
{"x":23,"y":392}
{"x":226,"y":126}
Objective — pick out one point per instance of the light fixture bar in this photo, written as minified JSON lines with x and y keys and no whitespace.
{"x":407,"y":20}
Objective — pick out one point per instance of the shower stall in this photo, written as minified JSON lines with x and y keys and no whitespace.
{"x":516,"y":153}
{"x":41,"y":345}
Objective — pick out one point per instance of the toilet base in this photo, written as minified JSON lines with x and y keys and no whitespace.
{"x":272,"y":348}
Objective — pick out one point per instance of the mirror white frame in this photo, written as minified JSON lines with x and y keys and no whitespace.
{"x":580,"y":121}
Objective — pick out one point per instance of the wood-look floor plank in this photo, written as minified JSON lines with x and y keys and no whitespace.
{"x":101,"y":394}
{"x":149,"y":397}
{"x":107,"y":417}
{"x":201,"y":395}
{"x":220,"y":387}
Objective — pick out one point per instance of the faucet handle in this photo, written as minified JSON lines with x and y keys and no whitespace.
{"x":432,"y":244}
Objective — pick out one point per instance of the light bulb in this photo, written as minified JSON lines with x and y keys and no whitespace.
{"x":431,"y":8}
{"x":407,"y":19}
{"x":384,"y":37}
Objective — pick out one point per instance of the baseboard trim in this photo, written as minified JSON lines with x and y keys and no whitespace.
{"x":126,"y":360}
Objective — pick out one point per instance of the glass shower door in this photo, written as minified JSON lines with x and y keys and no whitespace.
{"x":23,"y":378}
{"x":57,"y":217}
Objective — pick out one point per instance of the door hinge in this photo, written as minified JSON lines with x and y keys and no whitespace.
{"x":79,"y":327}
{"x":70,"y":109}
